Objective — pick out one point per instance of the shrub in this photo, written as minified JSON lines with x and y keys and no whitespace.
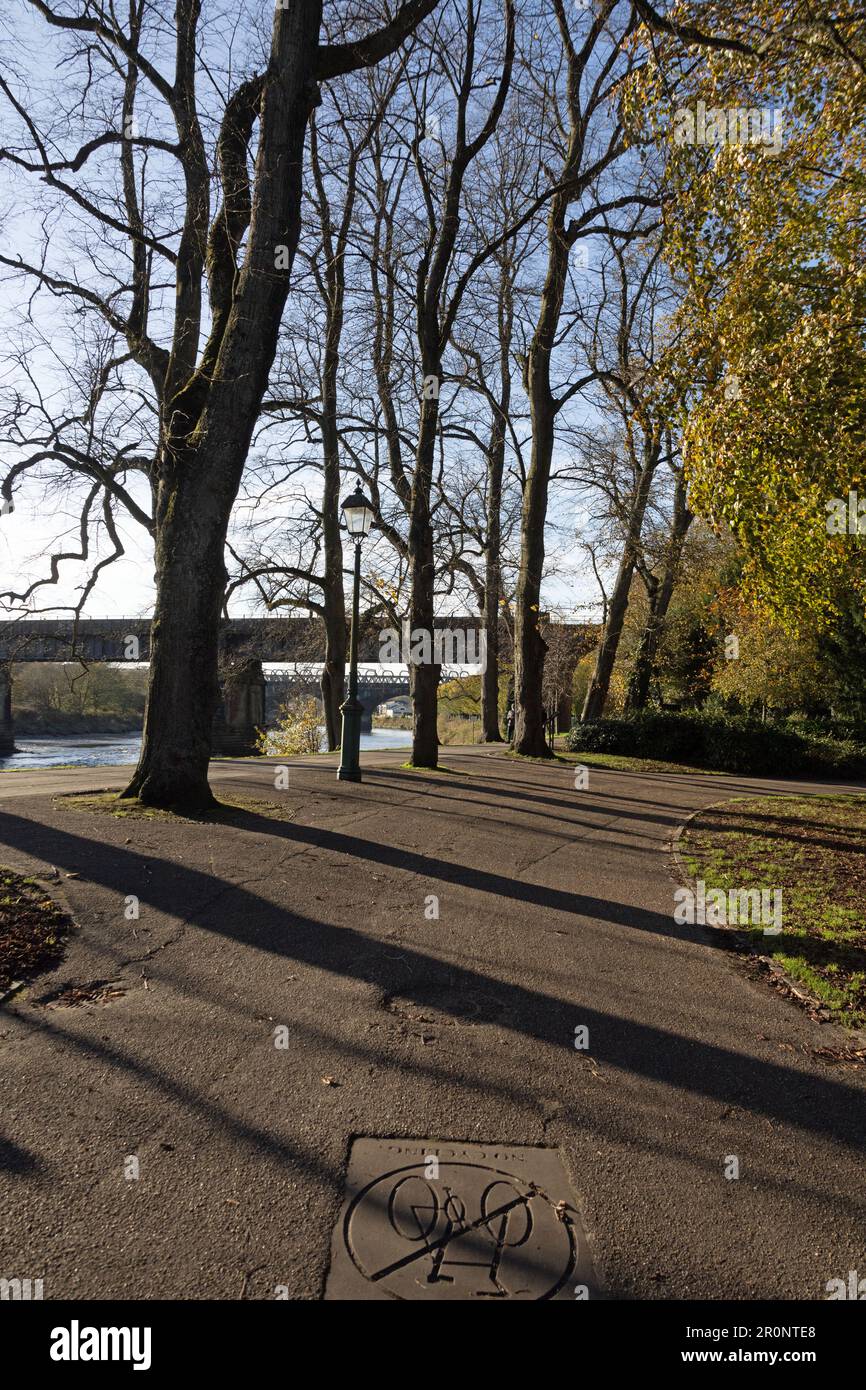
{"x":725,"y":743}
{"x":297,"y":730}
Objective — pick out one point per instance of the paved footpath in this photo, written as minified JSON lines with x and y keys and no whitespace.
{"x":555,"y":911}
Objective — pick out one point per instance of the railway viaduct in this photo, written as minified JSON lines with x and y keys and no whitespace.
{"x":245,"y":643}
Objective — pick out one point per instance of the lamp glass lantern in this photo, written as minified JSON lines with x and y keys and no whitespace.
{"x":358,"y":514}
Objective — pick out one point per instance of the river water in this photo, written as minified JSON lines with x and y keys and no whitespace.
{"x":84,"y":750}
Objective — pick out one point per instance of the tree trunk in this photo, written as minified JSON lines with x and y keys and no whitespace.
{"x":424,"y":686}
{"x":183,"y":690}
{"x":333,"y":682}
{"x":492,"y":588}
{"x":529,"y":645}
{"x":490,"y":676}
{"x":640,"y":676}
{"x":334,"y":599}
{"x":660,"y":593}
{"x":492,"y":564}
{"x":333,"y":596}
{"x":596,"y":695}
{"x":424,"y":677}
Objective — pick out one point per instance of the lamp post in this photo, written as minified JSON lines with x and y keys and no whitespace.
{"x":358,"y":513}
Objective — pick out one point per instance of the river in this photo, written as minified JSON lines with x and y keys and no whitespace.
{"x":86,"y":750}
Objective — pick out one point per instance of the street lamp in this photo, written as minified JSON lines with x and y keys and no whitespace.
{"x":358,"y":513}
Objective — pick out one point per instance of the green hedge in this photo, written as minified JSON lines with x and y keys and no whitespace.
{"x":725,"y":743}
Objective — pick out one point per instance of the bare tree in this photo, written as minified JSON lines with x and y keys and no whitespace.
{"x":587,"y":140}
{"x":425,"y":244}
{"x":486,"y":344}
{"x":627,"y":347}
{"x":309,"y":390}
{"x":211,"y":377}
{"x":437,"y":304}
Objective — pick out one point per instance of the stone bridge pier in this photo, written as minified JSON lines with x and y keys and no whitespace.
{"x":242,"y":710}
{"x":7,"y":733}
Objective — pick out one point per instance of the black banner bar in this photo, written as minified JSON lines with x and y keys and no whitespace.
{"x":63,"y":1339}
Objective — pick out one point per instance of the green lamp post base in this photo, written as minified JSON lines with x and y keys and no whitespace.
{"x":350,"y":746}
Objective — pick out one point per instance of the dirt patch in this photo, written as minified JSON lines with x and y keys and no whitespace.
{"x":33,"y":929}
{"x":442,"y":1006}
{"x":71,"y":996}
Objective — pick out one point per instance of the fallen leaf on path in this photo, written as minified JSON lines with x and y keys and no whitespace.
{"x":853,"y":1056}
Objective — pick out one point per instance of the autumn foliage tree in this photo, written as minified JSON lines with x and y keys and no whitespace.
{"x":765,"y":221}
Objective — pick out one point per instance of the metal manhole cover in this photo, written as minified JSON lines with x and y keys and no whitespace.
{"x":427,"y":1219}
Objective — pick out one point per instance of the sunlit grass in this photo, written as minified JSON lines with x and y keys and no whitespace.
{"x":814,"y":849}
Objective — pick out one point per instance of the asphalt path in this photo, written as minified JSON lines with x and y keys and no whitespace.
{"x":555,"y":912}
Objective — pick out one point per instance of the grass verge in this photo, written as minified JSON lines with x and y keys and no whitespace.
{"x":614,"y":762}
{"x":226,"y":811}
{"x":814,"y":849}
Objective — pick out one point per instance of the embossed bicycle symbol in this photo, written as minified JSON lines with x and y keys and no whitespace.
{"x":474,"y":1232}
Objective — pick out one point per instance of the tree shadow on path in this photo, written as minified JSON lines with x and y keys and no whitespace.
{"x":800,"y":1097}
